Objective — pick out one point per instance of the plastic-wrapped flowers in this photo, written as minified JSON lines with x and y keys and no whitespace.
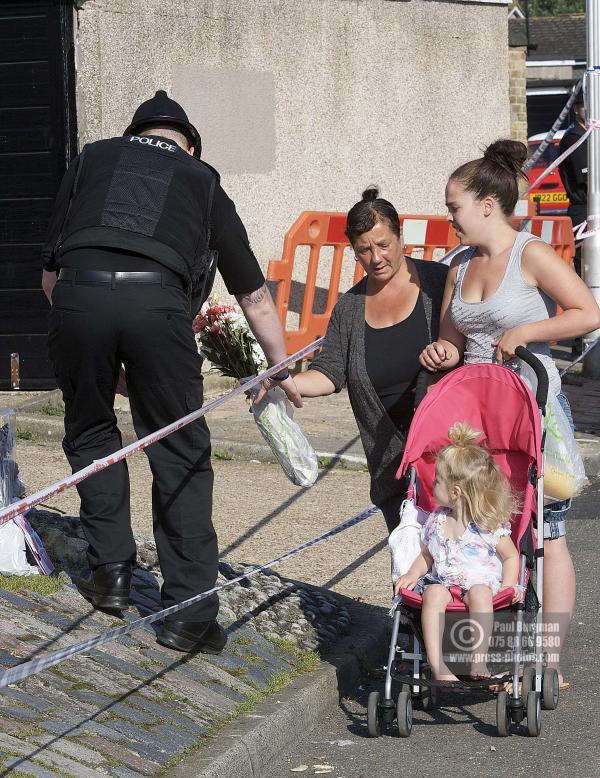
{"x":225,"y":339}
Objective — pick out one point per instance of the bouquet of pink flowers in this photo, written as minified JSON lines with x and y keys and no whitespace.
{"x":226,"y":341}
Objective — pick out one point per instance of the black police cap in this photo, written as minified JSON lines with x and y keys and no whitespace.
{"x":160,"y":110}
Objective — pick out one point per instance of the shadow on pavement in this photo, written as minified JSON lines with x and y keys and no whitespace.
{"x":284,"y":505}
{"x":355,"y":564}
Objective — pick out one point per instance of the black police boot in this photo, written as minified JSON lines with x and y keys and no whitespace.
{"x":107,"y":587}
{"x":206,"y":636}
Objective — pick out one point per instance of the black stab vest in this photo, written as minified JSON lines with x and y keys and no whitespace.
{"x":146,"y":195}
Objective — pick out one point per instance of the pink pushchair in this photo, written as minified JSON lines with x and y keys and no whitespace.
{"x":493,"y":399}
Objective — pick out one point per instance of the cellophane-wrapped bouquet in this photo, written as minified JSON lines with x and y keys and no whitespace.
{"x":225,"y":339}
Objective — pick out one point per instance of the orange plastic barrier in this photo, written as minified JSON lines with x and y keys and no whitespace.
{"x":555,"y":230}
{"x":423,"y":235}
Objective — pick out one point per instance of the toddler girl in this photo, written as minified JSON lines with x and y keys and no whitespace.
{"x":465,"y":542}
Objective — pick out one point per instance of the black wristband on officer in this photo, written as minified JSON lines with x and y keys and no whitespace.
{"x":281,"y":376}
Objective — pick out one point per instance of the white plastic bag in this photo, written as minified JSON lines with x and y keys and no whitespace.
{"x":13,"y":559}
{"x":274,"y":418}
{"x":404,"y":540}
{"x":564,"y":473}
{"x":11,"y":486}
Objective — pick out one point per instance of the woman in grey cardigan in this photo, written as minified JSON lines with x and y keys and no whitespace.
{"x":373,"y":341}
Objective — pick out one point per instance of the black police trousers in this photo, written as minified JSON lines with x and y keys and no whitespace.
{"x":93,"y":328}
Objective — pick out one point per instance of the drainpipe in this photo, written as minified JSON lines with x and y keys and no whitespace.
{"x":526,"y":4}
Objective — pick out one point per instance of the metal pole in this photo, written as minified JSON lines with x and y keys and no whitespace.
{"x":591,"y":246}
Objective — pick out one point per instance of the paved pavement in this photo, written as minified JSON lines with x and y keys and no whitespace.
{"x":327,"y":422}
{"x":132,"y":707}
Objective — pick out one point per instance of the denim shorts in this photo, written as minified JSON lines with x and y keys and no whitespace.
{"x":555,"y":513}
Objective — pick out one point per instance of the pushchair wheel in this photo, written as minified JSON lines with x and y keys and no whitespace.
{"x":373,"y":715}
{"x":550,"y":688}
{"x":404,"y":712}
{"x":428,"y":693}
{"x":503,"y":719}
{"x":528,"y":682}
{"x":534,"y":713}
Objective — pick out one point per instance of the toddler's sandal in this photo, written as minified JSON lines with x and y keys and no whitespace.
{"x":502,"y":685}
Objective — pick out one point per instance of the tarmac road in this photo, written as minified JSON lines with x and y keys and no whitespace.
{"x":461,"y":738}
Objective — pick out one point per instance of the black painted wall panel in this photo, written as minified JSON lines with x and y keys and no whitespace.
{"x":35,"y":141}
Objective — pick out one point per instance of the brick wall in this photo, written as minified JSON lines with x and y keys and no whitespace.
{"x":517,"y":94}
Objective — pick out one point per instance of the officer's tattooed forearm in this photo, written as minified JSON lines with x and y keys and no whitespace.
{"x":257,"y":296}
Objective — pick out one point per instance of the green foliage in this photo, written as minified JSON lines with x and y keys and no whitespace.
{"x":224,"y":455}
{"x":23,"y":734}
{"x":305,"y":661}
{"x":238,"y":672}
{"x":554,"y":7}
{"x":168,"y":695}
{"x":51,"y":409}
{"x":43,"y":584}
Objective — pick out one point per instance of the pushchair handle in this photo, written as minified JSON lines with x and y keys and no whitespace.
{"x":541,"y":374}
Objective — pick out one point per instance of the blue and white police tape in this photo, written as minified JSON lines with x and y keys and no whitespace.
{"x":592,"y":124}
{"x":21,"y":506}
{"x":554,"y":129}
{"x":41,"y":663}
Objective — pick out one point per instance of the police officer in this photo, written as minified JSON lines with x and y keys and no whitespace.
{"x":127,"y":263}
{"x":573,"y":171}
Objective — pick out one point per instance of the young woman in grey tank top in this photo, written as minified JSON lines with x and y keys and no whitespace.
{"x":493,"y":303}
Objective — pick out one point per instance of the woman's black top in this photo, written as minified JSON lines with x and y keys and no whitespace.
{"x":343,"y":360}
{"x":392,"y":360}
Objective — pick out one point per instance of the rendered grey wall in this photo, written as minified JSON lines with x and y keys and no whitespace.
{"x":301,"y":103}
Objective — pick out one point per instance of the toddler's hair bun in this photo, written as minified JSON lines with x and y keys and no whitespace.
{"x":461,"y":434}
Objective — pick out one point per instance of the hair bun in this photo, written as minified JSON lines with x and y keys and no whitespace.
{"x":371,"y":193}
{"x":462,"y":435}
{"x":509,"y":154}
